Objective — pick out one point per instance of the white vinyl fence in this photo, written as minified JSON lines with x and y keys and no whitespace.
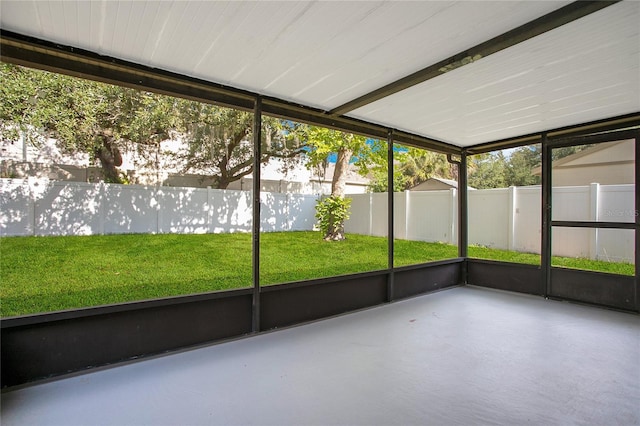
{"x":42,"y":207}
{"x":506,"y":218}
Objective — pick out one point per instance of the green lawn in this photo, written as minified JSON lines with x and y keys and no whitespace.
{"x":42,"y":274}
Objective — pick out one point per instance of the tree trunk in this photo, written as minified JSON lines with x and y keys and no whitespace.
{"x":222,"y":183}
{"x":110,"y":159}
{"x":339,"y":181}
{"x":335,"y":231}
{"x":338,"y":184}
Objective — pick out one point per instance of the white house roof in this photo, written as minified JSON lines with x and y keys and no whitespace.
{"x":605,"y":153}
{"x":429,"y":183}
{"x":349,"y":58}
{"x":451,"y":182}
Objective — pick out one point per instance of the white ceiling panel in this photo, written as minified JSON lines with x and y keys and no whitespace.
{"x":581,"y":72}
{"x":324,"y":54}
{"x":321,"y":54}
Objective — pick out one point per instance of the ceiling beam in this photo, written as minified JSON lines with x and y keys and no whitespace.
{"x":550,"y":21}
{"x":35,"y":53}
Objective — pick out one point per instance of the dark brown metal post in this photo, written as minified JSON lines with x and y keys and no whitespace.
{"x":390,"y":215}
{"x":637,"y":221}
{"x":545,"y":244}
{"x":463,"y":214}
{"x":257,"y":152}
{"x":463,"y":207}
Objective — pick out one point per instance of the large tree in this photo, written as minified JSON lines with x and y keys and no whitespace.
{"x":82,"y":115}
{"x":322,"y":146}
{"x":519,"y":166}
{"x":218,"y":142}
{"x":419,"y":165}
{"x":102,"y":119}
{"x":488,"y":171}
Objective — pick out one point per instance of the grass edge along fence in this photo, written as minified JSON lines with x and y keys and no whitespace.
{"x":45,"y":274}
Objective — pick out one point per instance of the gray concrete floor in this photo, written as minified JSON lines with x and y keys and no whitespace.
{"x":464,"y":356}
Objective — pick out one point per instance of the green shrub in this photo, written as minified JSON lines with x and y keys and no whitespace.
{"x":331,"y":213}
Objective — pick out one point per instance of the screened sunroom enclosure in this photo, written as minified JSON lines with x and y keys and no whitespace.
{"x":495,"y":76}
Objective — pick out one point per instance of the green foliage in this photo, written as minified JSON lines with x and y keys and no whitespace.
{"x":320,"y":143}
{"x":220,"y":141}
{"x":520,"y":165}
{"x":83,"y":115}
{"x":488,"y":171}
{"x":412,"y":166}
{"x":379,"y":181}
{"x":418,"y":165}
{"x":103,"y":120}
{"x":502,"y":169}
{"x":379,"y":174}
{"x":331,"y":213}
